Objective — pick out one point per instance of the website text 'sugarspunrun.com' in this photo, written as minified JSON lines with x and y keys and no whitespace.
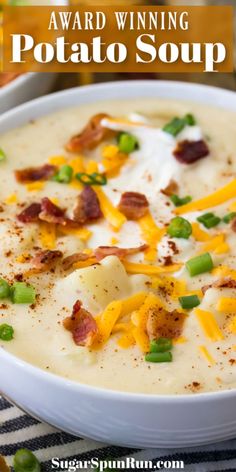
{"x":129,"y":463}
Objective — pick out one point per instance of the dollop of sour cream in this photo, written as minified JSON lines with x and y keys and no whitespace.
{"x":154,"y":160}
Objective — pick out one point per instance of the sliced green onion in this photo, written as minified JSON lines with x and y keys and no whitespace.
{"x":190,"y":119}
{"x":209,"y":220}
{"x":91,"y":179}
{"x":22,"y":293}
{"x":158,"y":357}
{"x":179,"y":228}
{"x":180,"y":201}
{"x":176,"y":125}
{"x":189,"y":302}
{"x":200,"y":264}
{"x":161,"y":345}
{"x":229,"y":217}
{"x":6,"y":332}
{"x":5,"y":289}
{"x":25,"y":461}
{"x":64,"y":175}
{"x":127,"y":143}
{"x":2,"y":155}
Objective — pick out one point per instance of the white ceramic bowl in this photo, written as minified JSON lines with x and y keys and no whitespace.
{"x":24,"y":88}
{"x":135,"y":420}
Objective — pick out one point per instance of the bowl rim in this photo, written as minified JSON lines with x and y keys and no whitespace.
{"x":35,"y":105}
{"x":17,"y":82}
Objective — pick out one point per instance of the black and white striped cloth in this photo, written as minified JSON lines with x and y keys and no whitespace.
{"x":20,"y":430}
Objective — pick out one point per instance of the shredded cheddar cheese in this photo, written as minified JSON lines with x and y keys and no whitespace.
{"x":232,"y":206}
{"x":81,"y":264}
{"x":23,"y":258}
{"x":209,"y":324}
{"x":112,"y":215}
{"x":224,"y":271}
{"x":142,"y":314}
{"x":91,"y":167}
{"x":35,"y":186}
{"x":121,"y":327}
{"x":204,"y":351}
{"x":133,"y":268}
{"x":217,"y":198}
{"x":126,"y":340}
{"x":11,"y":199}
{"x":113,"y":160}
{"x":82,"y":233}
{"x":47,"y":235}
{"x":114,"y":241}
{"x":226,"y":305}
{"x":57,"y":160}
{"x":141,"y":339}
{"x":222,"y":248}
{"x":77,"y":164}
{"x":175,"y":288}
{"x":132,"y":303}
{"x":215,"y":244}
{"x":232,"y":326}
{"x":199,"y":234}
{"x":151,"y":235}
{"x":107,"y":320}
{"x":180,"y":340}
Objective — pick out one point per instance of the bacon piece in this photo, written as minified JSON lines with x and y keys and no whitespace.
{"x":82,"y":325}
{"x":133,"y":205}
{"x":3,"y":465}
{"x":51,"y":213}
{"x":68,"y":262}
{"x":104,"y":251}
{"x":233,"y":225}
{"x":30,"y":214}
{"x":171,"y":188}
{"x":226,"y":282}
{"x":87,"y":206}
{"x":91,"y":135}
{"x":32,"y":174}
{"x":45,"y":260}
{"x":161,"y":323}
{"x":188,"y":152}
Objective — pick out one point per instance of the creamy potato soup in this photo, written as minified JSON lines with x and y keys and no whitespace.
{"x":118,"y":245}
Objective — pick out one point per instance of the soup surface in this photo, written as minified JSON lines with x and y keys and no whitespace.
{"x":133,"y":179}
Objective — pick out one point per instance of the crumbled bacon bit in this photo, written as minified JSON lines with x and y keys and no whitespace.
{"x":82,"y":325}
{"x":33,"y":174}
{"x":226,"y":282}
{"x":173,"y":247}
{"x":91,"y":135}
{"x":104,"y":251}
{"x":45,"y":260}
{"x":68,"y":262}
{"x":19,"y":277}
{"x":87,"y":206}
{"x":3,"y":465}
{"x":133,"y":205}
{"x":30,"y":214}
{"x":188,"y":152}
{"x":162,"y":323}
{"x":171,"y":188}
{"x":167,"y":260}
{"x":51,"y":213}
{"x":233,"y":225}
